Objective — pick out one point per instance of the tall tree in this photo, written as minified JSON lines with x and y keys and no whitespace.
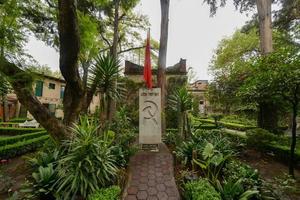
{"x":21,"y":80}
{"x":162,"y":57}
{"x":277,"y":76}
{"x":268,"y":117}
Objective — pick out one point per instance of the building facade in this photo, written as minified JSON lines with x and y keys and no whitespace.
{"x":199,"y":89}
{"x":50,"y":92}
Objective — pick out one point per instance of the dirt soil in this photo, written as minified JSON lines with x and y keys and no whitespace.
{"x":14,"y":174}
{"x":270,"y":169}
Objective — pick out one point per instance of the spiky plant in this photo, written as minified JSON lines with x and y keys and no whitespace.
{"x":181,"y":102}
{"x":104,"y":75}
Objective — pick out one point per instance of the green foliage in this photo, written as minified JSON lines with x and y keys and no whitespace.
{"x":172,"y":136}
{"x":12,"y":36}
{"x":4,"y":87}
{"x":181,"y":102}
{"x":104,"y":75}
{"x":18,"y":120}
{"x":14,"y":139}
{"x":21,"y":147}
{"x":42,"y":185}
{"x":234,"y":190}
{"x":229,"y":125}
{"x":44,"y":158}
{"x":124,"y":137}
{"x":200,"y":138}
{"x":212,"y":162}
{"x":173,"y":84}
{"x":237,"y":171}
{"x":88,"y":163}
{"x":259,"y":138}
{"x":239,"y":119}
{"x":200,"y":190}
{"x":18,"y":131}
{"x":111,"y":193}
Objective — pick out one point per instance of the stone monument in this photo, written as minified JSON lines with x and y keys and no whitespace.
{"x":149,"y":116}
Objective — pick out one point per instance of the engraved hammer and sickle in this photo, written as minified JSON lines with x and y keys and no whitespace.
{"x":150,"y":110}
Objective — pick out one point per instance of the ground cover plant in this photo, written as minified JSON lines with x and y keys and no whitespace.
{"x":214,"y":155}
{"x":82,"y":167}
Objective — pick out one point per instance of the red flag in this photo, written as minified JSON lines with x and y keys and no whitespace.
{"x":147,"y":64}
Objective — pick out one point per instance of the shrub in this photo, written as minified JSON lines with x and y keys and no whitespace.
{"x":42,"y":184}
{"x":212,"y":162}
{"x":8,"y":124}
{"x":259,"y":138}
{"x":229,"y":125}
{"x":14,"y":139}
{"x":172,"y":136}
{"x":200,"y":190}
{"x":230,"y":190}
{"x":215,"y":137}
{"x":200,"y":138}
{"x":18,"y":131}
{"x":249,"y":177}
{"x":19,"y":148}
{"x":111,"y":193}
{"x":18,"y":120}
{"x":88,"y":163}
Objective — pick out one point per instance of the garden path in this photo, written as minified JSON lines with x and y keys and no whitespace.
{"x":151,"y":176}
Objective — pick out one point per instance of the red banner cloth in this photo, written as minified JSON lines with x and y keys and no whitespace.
{"x":147,"y":64}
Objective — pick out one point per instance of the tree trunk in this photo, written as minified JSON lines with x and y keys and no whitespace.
{"x":162,"y":58}
{"x":111,"y":102}
{"x":22,"y":87}
{"x":268,"y":118}
{"x":265,"y":25}
{"x":74,"y":93}
{"x":5,"y":110}
{"x":293,"y":144}
{"x":68,"y":62}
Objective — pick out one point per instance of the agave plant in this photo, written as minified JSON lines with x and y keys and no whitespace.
{"x":181,"y":102}
{"x":104,"y":75}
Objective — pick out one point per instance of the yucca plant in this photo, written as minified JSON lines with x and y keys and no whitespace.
{"x":88,"y":163}
{"x":181,"y":102}
{"x":104,"y":75}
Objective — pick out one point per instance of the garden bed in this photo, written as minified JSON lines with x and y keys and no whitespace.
{"x":10,"y":131}
{"x":22,"y":147}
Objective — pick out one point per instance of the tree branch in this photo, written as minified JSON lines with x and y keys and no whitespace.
{"x":21,"y":82}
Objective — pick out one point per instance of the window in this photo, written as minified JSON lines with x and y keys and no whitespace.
{"x":62,"y":92}
{"x":39,"y":88}
{"x":52,"y":86}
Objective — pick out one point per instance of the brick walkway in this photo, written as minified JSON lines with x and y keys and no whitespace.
{"x":152,"y":177}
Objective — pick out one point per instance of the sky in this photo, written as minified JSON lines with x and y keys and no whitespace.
{"x":193,"y":34}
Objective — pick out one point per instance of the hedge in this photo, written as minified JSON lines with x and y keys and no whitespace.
{"x":111,"y":193}
{"x":15,"y":139}
{"x":281,"y":151}
{"x":18,"y":131}
{"x":18,"y":120}
{"x":234,"y":126}
{"x":22,"y":147}
{"x":8,"y":124}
